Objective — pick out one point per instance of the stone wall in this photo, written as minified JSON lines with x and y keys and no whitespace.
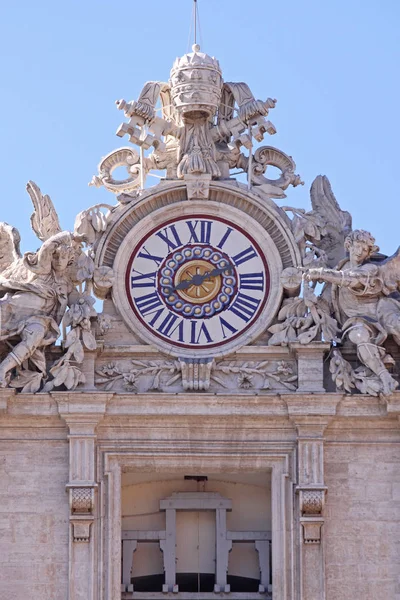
{"x":150,"y":436}
{"x":34,"y":525}
{"x":362,"y":526}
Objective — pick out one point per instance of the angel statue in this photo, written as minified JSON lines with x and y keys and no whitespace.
{"x":39,"y":289}
{"x":366,"y":301}
{"x":35,"y":287}
{"x":360,"y":300}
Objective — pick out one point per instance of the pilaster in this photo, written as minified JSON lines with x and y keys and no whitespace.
{"x":310,"y":367}
{"x":311,"y":415}
{"x":82,"y":412}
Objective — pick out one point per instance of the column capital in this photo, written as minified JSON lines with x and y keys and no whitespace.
{"x":82,"y":411}
{"x":310,"y":427}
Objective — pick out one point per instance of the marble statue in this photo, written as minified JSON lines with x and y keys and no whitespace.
{"x":36,"y":291}
{"x":360,"y":301}
{"x":201,"y":131}
{"x":204,"y":123}
{"x":366,"y":301}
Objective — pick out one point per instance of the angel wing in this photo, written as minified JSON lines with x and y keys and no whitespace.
{"x":337,"y":222}
{"x":389,"y":269}
{"x":9,"y":245}
{"x":44,"y":219}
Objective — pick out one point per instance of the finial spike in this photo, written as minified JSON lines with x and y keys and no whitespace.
{"x":195,"y":21}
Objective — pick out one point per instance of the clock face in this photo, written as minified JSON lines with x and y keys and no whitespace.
{"x":197,"y":282}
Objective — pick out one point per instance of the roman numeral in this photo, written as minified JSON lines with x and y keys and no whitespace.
{"x":202,"y":236}
{"x":143,"y":280}
{"x":225,"y":237}
{"x":252,"y":281}
{"x":196,"y":332}
{"x":167,"y":326}
{"x":245,"y":307}
{"x":146,"y":254}
{"x":164,"y":235}
{"x":148,"y":303}
{"x":244,"y":256}
{"x":225,"y":325}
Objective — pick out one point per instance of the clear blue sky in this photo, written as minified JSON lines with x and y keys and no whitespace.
{"x":333,"y":65}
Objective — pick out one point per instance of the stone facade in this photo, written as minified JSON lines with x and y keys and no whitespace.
{"x":221,"y":426}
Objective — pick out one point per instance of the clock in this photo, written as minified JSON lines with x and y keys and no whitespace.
{"x":197,"y":283}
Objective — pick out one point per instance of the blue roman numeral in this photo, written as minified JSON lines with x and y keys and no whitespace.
{"x":224,"y":237}
{"x":202,"y":236}
{"x":149,"y":303}
{"x":225,"y":325}
{"x":196,"y":332}
{"x":245,"y":306}
{"x":252,"y":281}
{"x":143,"y":280}
{"x":146,"y":254}
{"x":164,"y":235}
{"x":167,"y":326}
{"x":244,"y":256}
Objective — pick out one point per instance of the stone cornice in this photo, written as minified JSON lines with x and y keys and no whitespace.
{"x":91,"y":407}
{"x":82,"y":411}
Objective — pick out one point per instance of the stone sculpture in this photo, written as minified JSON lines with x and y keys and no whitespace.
{"x":366,"y":302}
{"x":36,"y":291}
{"x":360,"y":299}
{"x":186,"y":139}
{"x":205,"y":130}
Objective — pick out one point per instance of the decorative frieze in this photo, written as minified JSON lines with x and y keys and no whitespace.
{"x":197,"y":374}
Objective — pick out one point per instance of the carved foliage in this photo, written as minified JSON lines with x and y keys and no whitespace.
{"x":197,"y":374}
{"x":362,"y":379}
{"x":304,"y":319}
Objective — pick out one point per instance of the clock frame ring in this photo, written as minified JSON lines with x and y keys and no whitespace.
{"x":221,"y":212}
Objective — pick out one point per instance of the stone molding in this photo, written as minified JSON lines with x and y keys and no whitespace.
{"x":221,"y":459}
{"x":5,"y":395}
{"x":312,"y":531}
{"x":270,"y":217}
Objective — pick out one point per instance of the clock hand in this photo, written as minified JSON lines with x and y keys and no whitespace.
{"x":199,"y":279}
{"x":216,"y":272}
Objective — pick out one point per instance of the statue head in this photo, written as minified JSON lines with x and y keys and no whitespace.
{"x":56,"y":254}
{"x":360,"y":245}
{"x":61,"y":258}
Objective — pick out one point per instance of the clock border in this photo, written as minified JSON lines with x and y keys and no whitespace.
{"x":184,"y":209}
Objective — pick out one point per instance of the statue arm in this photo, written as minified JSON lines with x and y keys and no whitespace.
{"x":364,"y":280}
{"x":345,"y":278}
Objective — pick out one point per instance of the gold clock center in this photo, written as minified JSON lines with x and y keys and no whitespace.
{"x":198,"y":293}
